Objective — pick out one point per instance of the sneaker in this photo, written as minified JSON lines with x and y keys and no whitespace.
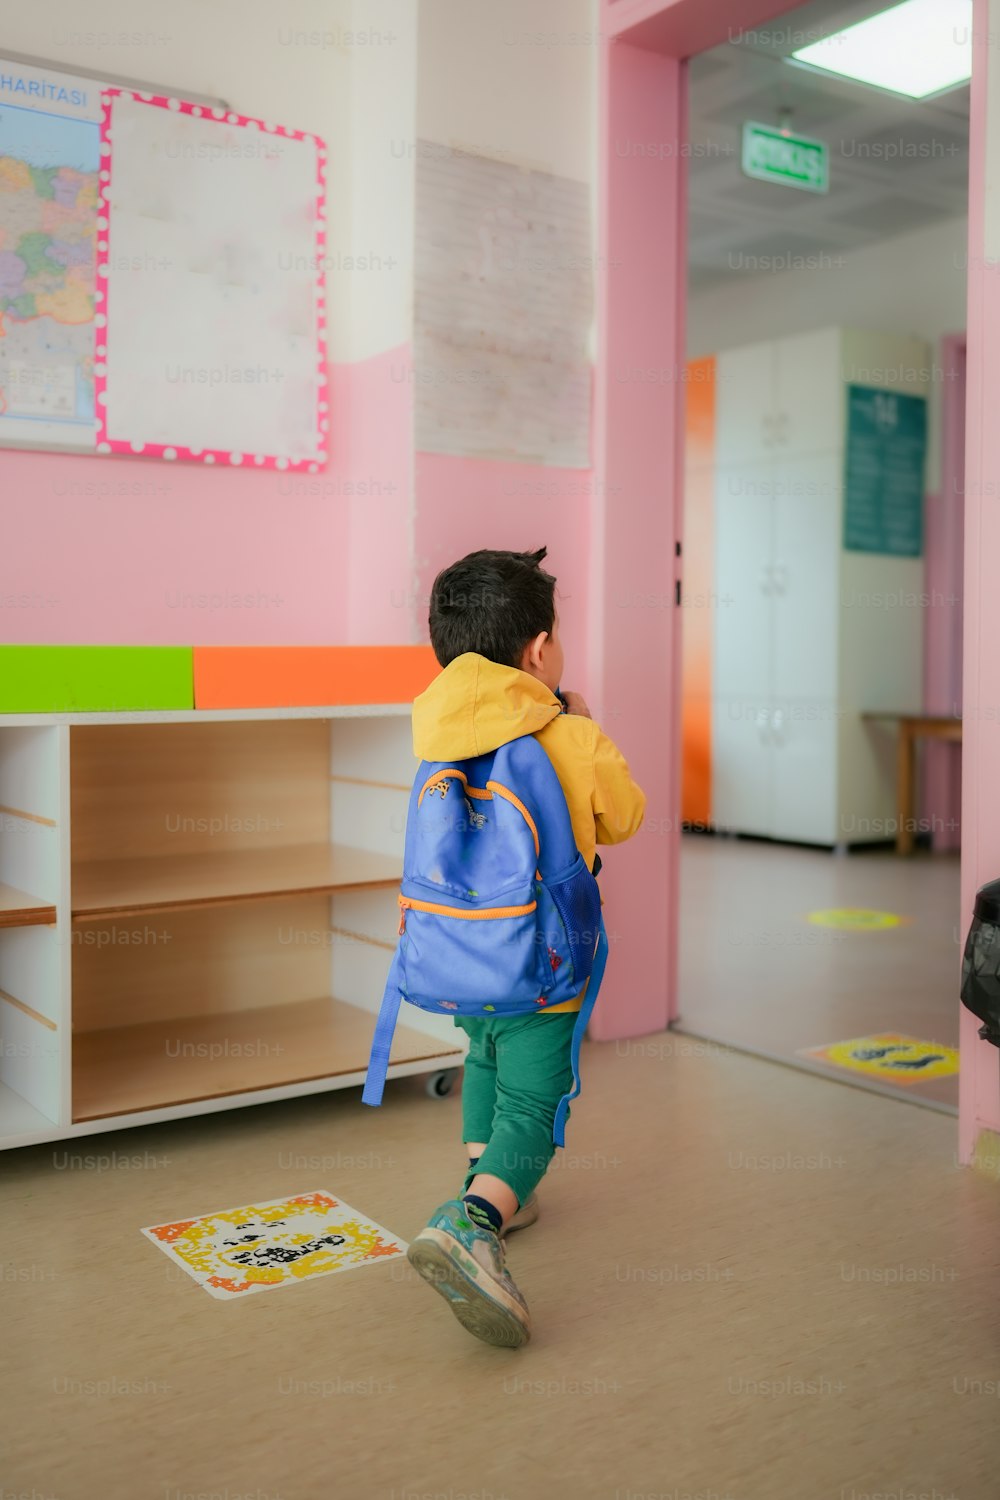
{"x":466,"y":1265}
{"x":526,"y":1214}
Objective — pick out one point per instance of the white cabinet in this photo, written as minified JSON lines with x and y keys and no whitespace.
{"x":197,"y":912}
{"x":777,"y":397}
{"x":807,"y":392}
{"x":804,"y":768}
{"x":742,"y":765}
{"x":803,"y":642}
{"x":743,"y":551}
{"x":775,"y":768}
{"x":805,"y":527}
{"x":746,"y":402}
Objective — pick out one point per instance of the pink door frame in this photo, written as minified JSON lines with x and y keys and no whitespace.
{"x":941,"y":788}
{"x":638,"y":450}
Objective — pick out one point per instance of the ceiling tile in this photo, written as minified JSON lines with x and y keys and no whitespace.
{"x":709,"y":65}
{"x":811,"y":107}
{"x":887,"y":216}
{"x":902,"y":147}
{"x":704,"y":278}
{"x":768,"y":196}
{"x":887,"y":153}
{"x":782,"y":251}
{"x":700,"y":224}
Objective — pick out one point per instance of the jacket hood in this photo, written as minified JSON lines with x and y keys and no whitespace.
{"x":475,"y":706}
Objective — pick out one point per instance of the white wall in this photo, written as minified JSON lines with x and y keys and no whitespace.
{"x":383,"y":127}
{"x":913,"y":284}
{"x":514,"y":80}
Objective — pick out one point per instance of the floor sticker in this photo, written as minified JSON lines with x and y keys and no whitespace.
{"x":856,"y":918}
{"x":889,"y":1056}
{"x":262,"y":1246}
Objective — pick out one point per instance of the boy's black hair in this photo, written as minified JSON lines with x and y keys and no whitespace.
{"x":492,"y":603}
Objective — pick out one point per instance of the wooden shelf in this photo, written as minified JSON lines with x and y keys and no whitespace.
{"x":127,"y":1069}
{"x":18,"y":909}
{"x":176,"y":882}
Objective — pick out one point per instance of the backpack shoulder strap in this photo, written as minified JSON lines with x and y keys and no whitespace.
{"x":385,"y":1026}
{"x":525,"y":762}
{"x":579,"y":1030}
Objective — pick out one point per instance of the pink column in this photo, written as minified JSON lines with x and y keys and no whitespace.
{"x":636,"y":520}
{"x":635,"y":516}
{"x":979,"y":1092}
{"x":941,"y":789}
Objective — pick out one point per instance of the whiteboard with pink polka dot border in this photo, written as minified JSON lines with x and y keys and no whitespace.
{"x":210,"y":318}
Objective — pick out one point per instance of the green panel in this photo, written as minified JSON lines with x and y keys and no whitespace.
{"x":884,"y":482}
{"x":95,"y":679}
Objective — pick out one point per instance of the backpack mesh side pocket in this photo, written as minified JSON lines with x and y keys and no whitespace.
{"x":577,"y":900}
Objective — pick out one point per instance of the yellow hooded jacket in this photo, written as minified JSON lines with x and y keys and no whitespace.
{"x":475,"y":706}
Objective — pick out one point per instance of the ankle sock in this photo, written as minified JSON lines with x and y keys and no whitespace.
{"x":484,"y":1215}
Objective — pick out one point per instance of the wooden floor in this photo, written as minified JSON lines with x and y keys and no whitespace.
{"x":755,"y":973}
{"x":748,"y":1283}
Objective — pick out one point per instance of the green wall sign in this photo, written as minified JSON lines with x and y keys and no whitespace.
{"x":791,"y":160}
{"x":884,"y":482}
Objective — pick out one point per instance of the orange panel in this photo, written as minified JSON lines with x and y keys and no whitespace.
{"x":699,"y":594}
{"x":699,"y":410}
{"x":306,"y":676}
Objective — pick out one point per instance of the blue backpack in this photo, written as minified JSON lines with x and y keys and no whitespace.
{"x":499,"y":915}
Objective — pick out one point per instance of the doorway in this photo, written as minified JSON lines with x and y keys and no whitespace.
{"x":640,"y":446}
{"x":822,"y":521}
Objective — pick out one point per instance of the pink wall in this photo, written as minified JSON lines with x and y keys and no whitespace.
{"x":143,"y":552}
{"x":979,"y":1082}
{"x":464,"y":504}
{"x":132,"y":551}
{"x":375,"y":430}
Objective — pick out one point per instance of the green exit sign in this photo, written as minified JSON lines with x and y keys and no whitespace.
{"x":794,"y":160}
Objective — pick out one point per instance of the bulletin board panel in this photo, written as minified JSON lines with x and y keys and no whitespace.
{"x":210,"y":340}
{"x":884,"y":478}
{"x":502,"y":311}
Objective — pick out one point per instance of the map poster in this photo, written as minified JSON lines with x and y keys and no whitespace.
{"x":49,"y":165}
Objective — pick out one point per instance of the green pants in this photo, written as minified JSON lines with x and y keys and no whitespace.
{"x":516,"y":1071}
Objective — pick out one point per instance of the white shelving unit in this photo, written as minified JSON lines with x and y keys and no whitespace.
{"x":197,"y":911}
{"x":803,"y":643}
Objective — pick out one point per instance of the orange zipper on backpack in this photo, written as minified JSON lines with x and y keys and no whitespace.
{"x":407,"y":903}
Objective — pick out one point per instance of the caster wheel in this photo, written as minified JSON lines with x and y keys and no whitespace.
{"x":440,"y":1085}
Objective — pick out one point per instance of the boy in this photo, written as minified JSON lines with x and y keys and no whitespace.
{"x":495,"y":631}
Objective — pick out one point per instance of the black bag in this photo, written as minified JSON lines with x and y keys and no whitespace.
{"x":981,"y":963}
